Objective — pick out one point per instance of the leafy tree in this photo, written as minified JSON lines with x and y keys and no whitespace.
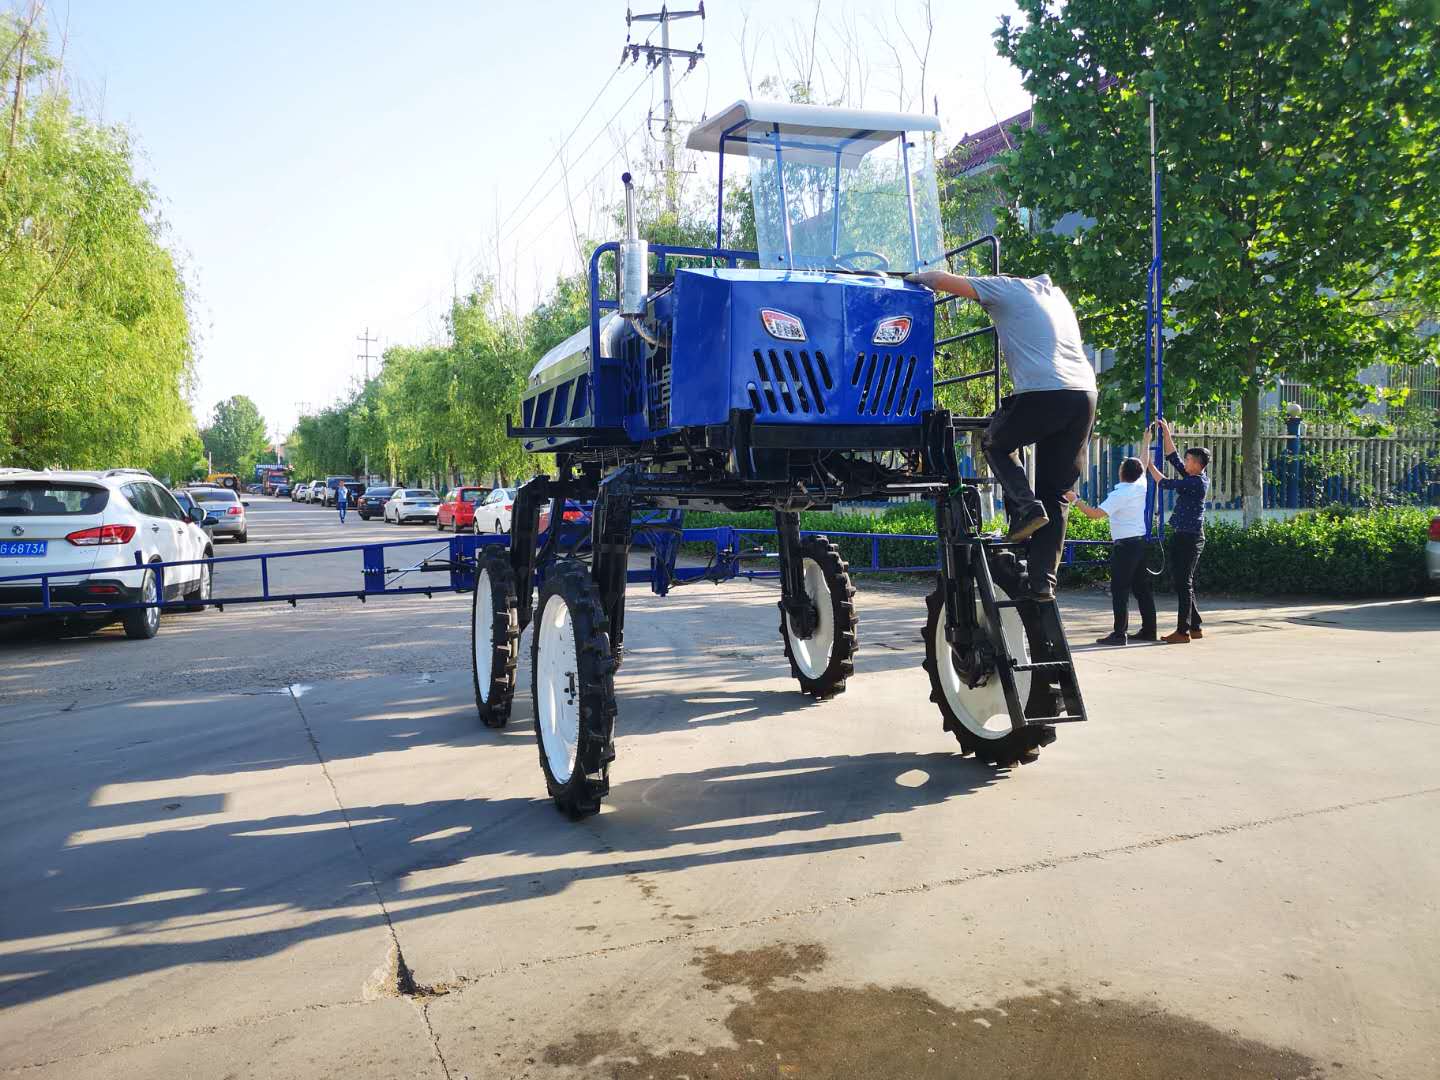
{"x":182,"y":462}
{"x":1302,"y":199}
{"x":95,"y":345}
{"x":236,"y":435}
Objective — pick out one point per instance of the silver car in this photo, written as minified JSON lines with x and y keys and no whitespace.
{"x":229,"y":511}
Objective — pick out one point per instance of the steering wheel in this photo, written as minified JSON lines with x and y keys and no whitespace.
{"x":843,"y":260}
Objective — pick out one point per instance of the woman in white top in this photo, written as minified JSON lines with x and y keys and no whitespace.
{"x":1125,"y":509}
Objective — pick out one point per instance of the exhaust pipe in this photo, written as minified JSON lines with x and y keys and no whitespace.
{"x":634,"y":260}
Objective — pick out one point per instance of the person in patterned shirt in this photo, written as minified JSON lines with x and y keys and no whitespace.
{"x":1187,"y":526}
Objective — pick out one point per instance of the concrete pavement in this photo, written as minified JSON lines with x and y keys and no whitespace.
{"x":286,"y":848}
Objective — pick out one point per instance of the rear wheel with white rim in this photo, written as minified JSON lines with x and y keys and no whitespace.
{"x":979,"y":717}
{"x":494,"y":637}
{"x":825,"y":659}
{"x":142,"y":624}
{"x":573,"y":681}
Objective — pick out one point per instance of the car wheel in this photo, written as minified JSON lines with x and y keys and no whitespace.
{"x":243,"y":538}
{"x":141,"y":624}
{"x":201,"y":592}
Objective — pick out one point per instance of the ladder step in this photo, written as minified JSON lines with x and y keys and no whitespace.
{"x":1044,"y":665}
{"x":1053,"y":719}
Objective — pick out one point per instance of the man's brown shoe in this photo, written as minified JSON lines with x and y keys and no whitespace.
{"x":1196,"y":635}
{"x":1179,"y":637}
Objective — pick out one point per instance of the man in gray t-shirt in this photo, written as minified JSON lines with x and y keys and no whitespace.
{"x":1052,"y":406}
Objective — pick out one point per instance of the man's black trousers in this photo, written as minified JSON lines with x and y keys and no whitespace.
{"x":1127,"y":574}
{"x":1057,"y":423}
{"x":1185,"y":549}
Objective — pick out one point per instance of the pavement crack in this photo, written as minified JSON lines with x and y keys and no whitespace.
{"x":393,"y":978}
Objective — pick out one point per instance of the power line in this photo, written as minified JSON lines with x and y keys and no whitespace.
{"x":549,"y":164}
{"x":624,"y":144}
{"x":511,"y":231}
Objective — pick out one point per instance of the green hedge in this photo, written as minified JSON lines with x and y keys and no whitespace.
{"x":1322,"y":553}
{"x":1327,"y":553}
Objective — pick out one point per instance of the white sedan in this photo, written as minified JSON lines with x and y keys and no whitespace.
{"x":493,"y":515}
{"x":412,"y":504}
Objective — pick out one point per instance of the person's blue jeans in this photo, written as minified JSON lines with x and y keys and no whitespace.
{"x":340,"y":501}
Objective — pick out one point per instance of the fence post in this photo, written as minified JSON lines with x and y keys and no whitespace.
{"x":1292,"y":425}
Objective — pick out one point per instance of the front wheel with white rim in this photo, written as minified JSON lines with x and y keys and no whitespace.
{"x":824,"y":659}
{"x":978,"y":716}
{"x":141,"y":624}
{"x":494,"y":637}
{"x":573,"y":681}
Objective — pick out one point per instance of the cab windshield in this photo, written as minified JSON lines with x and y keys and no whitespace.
{"x":866,"y":201}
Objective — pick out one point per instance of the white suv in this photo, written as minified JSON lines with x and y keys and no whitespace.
{"x":99,"y":522}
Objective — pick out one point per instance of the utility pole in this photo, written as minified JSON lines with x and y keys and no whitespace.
{"x":661,"y":57}
{"x":368,"y":341}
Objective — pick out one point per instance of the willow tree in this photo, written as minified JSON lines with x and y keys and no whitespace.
{"x":95,"y":345}
{"x":1302,"y":198}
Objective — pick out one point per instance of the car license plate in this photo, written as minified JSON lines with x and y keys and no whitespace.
{"x":22,"y":548}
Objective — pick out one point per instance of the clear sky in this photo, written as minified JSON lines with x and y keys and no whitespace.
{"x":325,"y":167}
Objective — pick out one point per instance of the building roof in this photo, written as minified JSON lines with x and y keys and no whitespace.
{"x":979,"y":149}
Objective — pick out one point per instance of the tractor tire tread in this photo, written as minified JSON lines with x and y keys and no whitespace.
{"x":833,"y":679}
{"x":505,"y":635}
{"x":1019,"y":747}
{"x":589,"y":781}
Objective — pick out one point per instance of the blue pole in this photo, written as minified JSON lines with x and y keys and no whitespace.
{"x":1154,"y":335}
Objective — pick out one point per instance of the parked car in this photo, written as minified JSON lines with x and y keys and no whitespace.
{"x":229,"y":510}
{"x":575,"y":513}
{"x":187,"y":502}
{"x":412,"y":504}
{"x":280,"y":489}
{"x":297,"y":491}
{"x":353,"y":489}
{"x":99,"y":522}
{"x":1432,"y":550}
{"x":457,"y":511}
{"x":313,"y":491}
{"x":372,"y":503}
{"x":493,"y":515}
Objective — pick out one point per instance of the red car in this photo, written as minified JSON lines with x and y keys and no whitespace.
{"x":458,"y":510}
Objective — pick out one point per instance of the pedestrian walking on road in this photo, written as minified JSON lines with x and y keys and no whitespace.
{"x":341,"y":498}
{"x":1124,"y":507}
{"x":1187,"y":527}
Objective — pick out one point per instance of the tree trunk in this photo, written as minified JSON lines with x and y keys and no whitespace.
{"x":1252,"y":468}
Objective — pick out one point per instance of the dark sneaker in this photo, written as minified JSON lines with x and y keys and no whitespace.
{"x":1145,"y":635}
{"x":1028,"y":524}
{"x":1111,"y":639}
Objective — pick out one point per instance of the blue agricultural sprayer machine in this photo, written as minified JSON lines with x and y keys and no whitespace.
{"x":800,"y":380}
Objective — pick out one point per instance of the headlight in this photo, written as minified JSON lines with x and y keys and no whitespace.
{"x":892,"y":331}
{"x":781,"y":325}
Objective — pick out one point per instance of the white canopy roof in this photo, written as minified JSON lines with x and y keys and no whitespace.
{"x":867,"y":127}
